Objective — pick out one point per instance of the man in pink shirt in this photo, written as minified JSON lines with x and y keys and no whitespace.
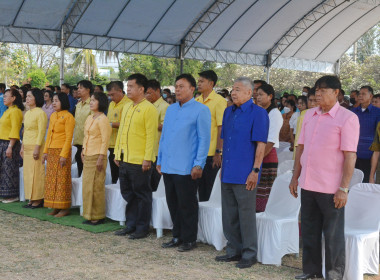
{"x":324,"y":163}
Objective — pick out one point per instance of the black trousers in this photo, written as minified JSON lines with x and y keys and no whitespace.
{"x":155,"y":178}
{"x":365,"y":166}
{"x":181,"y":197}
{"x":78,"y":159}
{"x":136,"y":191}
{"x":318,"y":214}
{"x":114,"y":168}
{"x":206,"y":182}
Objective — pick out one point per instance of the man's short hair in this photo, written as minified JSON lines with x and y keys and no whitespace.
{"x":295,"y":96}
{"x":307,"y":88}
{"x":245,"y":81}
{"x":140,"y":79}
{"x":28,"y":86}
{"x":100,"y":87}
{"x":86,"y":84}
{"x":369,"y":88}
{"x":311,"y":92}
{"x":187,"y":77}
{"x":376,"y":95}
{"x":167,"y":90}
{"x":2,"y":86}
{"x":117,"y":85}
{"x":209,"y":75}
{"x":342,"y":92}
{"x":154,"y":84}
{"x":261,"y":82}
{"x":356,"y":91}
{"x":57,"y":87}
{"x":328,"y":81}
{"x":51,"y":88}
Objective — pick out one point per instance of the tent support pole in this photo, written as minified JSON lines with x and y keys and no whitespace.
{"x":268,"y":74}
{"x":62,"y":61}
{"x":268,"y":64}
{"x":181,"y":55}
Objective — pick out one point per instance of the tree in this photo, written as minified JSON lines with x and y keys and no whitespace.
{"x":85,"y":59}
{"x":37,"y":78}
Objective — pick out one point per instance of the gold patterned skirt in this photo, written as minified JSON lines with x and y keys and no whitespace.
{"x":34,"y":174}
{"x":93,"y":189}
{"x":57,"y":181}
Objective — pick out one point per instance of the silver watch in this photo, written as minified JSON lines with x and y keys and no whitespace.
{"x":343,"y":189}
{"x":198,"y":167}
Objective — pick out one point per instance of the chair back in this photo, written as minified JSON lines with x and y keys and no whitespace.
{"x":363,"y":208}
{"x":216,"y":195}
{"x":357,"y":177}
{"x":284,"y":155}
{"x":281,"y":203}
{"x":285,"y":166}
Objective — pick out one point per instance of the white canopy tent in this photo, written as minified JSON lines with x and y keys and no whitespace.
{"x":294,"y":34}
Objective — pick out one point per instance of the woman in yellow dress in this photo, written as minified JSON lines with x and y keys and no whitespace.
{"x":97,"y":133}
{"x":10,"y":125}
{"x":57,"y":152}
{"x":32,"y":149}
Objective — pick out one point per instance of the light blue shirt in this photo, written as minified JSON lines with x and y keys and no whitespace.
{"x":3,"y":108}
{"x":185,"y":138}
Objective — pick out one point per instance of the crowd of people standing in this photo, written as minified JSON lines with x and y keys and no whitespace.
{"x":187,"y":138}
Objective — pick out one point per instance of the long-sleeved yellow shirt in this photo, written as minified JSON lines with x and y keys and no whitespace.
{"x":137,"y":135}
{"x":96,"y":135}
{"x":10,"y":123}
{"x":82,"y":111}
{"x":60,"y":132}
{"x":35,"y":124}
{"x":114,"y":115}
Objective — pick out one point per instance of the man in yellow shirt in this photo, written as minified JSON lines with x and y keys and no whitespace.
{"x":217,"y":104}
{"x":118,"y":100}
{"x":153,"y":95}
{"x":82,"y":111}
{"x":134,"y":154}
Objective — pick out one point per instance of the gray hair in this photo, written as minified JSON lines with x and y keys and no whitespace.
{"x":245,"y":81}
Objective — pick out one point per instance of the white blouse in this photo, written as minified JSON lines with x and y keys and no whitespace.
{"x":275,"y":124}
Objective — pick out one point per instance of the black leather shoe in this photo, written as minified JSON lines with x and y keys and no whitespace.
{"x":99,"y":222}
{"x":187,"y":246}
{"x":37,"y":206}
{"x":138,"y":235}
{"x":125,"y":231}
{"x":175,"y":242}
{"x":27,"y":205}
{"x":246,"y":263}
{"x":227,"y":258}
{"x":309,"y":276}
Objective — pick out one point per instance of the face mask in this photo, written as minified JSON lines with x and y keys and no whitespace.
{"x":352,"y":101}
{"x":304,"y":93}
{"x":164,"y":95}
{"x":286,"y":110}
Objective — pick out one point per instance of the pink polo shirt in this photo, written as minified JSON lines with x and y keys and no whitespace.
{"x":325,"y":137}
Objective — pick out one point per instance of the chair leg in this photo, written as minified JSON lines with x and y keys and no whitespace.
{"x":297,"y":255}
{"x":159,"y":232}
{"x":122,"y":223}
{"x":81,"y":210}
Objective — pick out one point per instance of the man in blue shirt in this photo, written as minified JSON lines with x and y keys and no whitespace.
{"x":369,"y":116}
{"x":2,"y":106}
{"x":182,"y":154}
{"x":244,"y":132}
{"x":67,"y":89}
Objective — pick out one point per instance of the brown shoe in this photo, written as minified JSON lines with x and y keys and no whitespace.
{"x":54,"y":212}
{"x":62,"y":213}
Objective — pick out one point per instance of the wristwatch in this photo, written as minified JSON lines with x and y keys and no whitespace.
{"x":198,"y":167}
{"x":343,"y":189}
{"x":256,"y":170}
{"x":218,"y":151}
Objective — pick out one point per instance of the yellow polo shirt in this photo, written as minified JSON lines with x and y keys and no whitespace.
{"x":137,"y":135}
{"x":161,"y":106}
{"x":114,"y":115}
{"x":298,"y":131}
{"x":82,"y":111}
{"x":217,"y":104}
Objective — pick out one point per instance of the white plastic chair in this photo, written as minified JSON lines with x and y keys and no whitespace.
{"x":73,"y":152}
{"x":115,"y":203}
{"x":284,"y":155}
{"x":76,"y":193}
{"x":277,"y":226}
{"x":74,"y":170}
{"x":357,"y":178}
{"x":285,"y":166}
{"x":283,"y":146}
{"x":160,"y":212}
{"x":21,"y":185}
{"x":210,"y":227}
{"x":362,"y":224}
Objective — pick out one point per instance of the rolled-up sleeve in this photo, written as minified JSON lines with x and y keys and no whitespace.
{"x":204,"y":136}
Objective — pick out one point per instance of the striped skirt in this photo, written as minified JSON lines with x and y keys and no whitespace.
{"x":268,"y":175}
{"x":93,"y":189}
{"x":57,"y":181}
{"x":34,"y":174}
{"x":9,"y":170}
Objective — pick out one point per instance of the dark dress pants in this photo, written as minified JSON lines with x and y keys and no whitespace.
{"x":78,"y":159}
{"x":239,"y":220}
{"x":114,"y":168}
{"x":136,"y":191}
{"x":181,"y":197}
{"x":206,"y":182}
{"x":319,"y":215}
{"x":365,"y":166}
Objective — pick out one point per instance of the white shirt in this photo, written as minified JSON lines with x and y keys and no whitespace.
{"x":293,"y":121}
{"x":275,"y":124}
